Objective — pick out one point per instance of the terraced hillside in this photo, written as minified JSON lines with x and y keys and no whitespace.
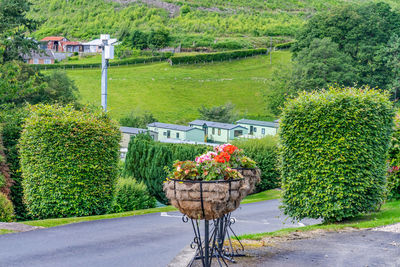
{"x":189,"y":21}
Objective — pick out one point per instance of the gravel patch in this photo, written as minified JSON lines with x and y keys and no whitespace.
{"x":394,"y":228}
{"x":18,"y":227}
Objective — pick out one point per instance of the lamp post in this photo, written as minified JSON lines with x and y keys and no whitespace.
{"x":107,"y":53}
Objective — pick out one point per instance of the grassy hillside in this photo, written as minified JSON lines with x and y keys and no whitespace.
{"x":173,"y":94}
{"x":199,"y":21}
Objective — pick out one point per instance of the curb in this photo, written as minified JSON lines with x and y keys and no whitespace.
{"x":183,"y":258}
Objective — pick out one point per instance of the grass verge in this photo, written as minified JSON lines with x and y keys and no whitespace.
{"x":389,"y":214}
{"x":4,"y":231}
{"x":262,"y":196}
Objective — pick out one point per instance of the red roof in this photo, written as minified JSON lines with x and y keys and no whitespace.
{"x":71,"y":43}
{"x":52,"y":38}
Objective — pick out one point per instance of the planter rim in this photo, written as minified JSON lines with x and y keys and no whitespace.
{"x":201,"y":181}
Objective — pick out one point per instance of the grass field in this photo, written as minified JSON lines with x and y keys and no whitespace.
{"x":174,"y":93}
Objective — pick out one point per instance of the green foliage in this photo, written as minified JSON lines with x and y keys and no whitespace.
{"x":12,"y":119}
{"x":393,"y":187}
{"x":334,"y":148}
{"x":14,"y":25}
{"x":6,"y":209}
{"x":220,"y":56}
{"x":146,"y":160}
{"x":130,"y":195}
{"x":137,"y":119}
{"x":360,"y":31}
{"x":158,"y":38}
{"x":5,"y":180}
{"x":224,"y":113}
{"x":322,"y":64}
{"x":21,"y":83}
{"x":264,"y":152}
{"x":69,"y":161}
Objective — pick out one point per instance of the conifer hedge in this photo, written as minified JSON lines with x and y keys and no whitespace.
{"x":146,"y":160}
{"x":5,"y":180}
{"x":69,"y":161}
{"x":334,"y":148}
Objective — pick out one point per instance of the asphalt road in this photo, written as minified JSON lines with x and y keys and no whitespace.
{"x":350,"y":249}
{"x":145,"y":240}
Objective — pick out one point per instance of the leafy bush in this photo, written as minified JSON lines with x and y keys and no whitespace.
{"x":393,"y":186}
{"x":69,"y":161}
{"x":146,"y":160}
{"x":130,"y":195}
{"x":264,"y":152}
{"x":334,"y":147}
{"x":220,"y":56}
{"x":285,"y":45}
{"x":6,"y":209}
{"x":12,"y":119}
{"x":5,"y":180}
{"x":224,"y":113}
{"x":137,"y":119}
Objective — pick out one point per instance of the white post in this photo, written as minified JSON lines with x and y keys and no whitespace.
{"x":104,"y":64}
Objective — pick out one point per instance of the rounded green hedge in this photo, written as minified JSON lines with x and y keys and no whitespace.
{"x":334,"y":147}
{"x":131,"y":195}
{"x":69,"y":161}
{"x":6,"y":209}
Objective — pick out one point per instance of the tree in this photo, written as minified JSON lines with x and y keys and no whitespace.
{"x":158,"y":38}
{"x":321,"y":64}
{"x":391,"y":56}
{"x":20,"y":84}
{"x":224,"y":113}
{"x":14,"y":25}
{"x":137,"y":119}
{"x":139,"y":39}
{"x":360,"y":31}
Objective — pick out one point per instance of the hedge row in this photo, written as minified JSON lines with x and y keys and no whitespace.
{"x":122,"y":62}
{"x":146,"y":160}
{"x":220,"y":56}
{"x":264,"y":152}
{"x":69,"y":161}
{"x":285,"y":45}
{"x":334,"y":146}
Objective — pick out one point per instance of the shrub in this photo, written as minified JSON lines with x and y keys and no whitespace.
{"x":69,"y":161}
{"x":264,"y":152}
{"x":131,"y":195}
{"x":393,"y":186}
{"x":334,"y":146}
{"x":12,"y":120}
{"x":6,"y":209}
{"x":146,"y":160}
{"x":5,"y":180}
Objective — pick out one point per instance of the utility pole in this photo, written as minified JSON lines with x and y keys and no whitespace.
{"x":107,"y":52}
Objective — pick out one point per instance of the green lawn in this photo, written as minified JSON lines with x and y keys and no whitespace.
{"x":174,"y":93}
{"x":3,"y":231}
{"x":389,"y":214}
{"x":266,"y":195}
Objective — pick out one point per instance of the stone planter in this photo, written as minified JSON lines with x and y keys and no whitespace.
{"x":251,"y":177}
{"x":207,"y":200}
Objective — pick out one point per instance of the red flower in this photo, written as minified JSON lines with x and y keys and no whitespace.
{"x":230,"y":149}
{"x":222,"y":157}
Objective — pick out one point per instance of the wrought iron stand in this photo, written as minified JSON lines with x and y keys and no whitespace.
{"x":212,"y":244}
